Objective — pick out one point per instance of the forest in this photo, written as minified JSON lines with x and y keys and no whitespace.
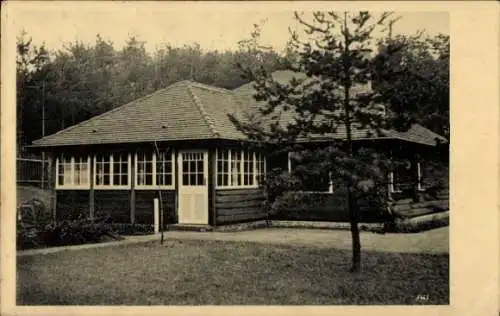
{"x":57,"y":88}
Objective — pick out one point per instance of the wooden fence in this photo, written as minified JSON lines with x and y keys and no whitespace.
{"x":32,"y":171}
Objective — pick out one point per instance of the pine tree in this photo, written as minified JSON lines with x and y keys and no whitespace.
{"x":328,"y":95}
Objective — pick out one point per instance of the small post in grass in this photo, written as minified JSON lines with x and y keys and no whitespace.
{"x":156,"y":216}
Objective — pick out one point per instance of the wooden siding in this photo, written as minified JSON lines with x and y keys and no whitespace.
{"x":239,"y":205}
{"x":114,"y":203}
{"x":71,"y":204}
{"x":144,"y":206}
{"x":328,"y":207}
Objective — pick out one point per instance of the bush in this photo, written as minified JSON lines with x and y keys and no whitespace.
{"x":131,"y":229}
{"x":65,"y":233}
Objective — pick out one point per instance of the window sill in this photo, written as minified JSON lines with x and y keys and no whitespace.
{"x":69,"y":187}
{"x":111,"y":187}
{"x":237,"y":187}
{"x":154,"y":187}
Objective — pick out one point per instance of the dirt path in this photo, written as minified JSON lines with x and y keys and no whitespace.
{"x":433,"y":241}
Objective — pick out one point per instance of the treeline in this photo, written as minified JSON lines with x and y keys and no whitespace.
{"x":79,"y":81}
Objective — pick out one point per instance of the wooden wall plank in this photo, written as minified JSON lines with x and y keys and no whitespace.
{"x":144,"y":206}
{"x":229,"y":192}
{"x":239,"y":205}
{"x":71,"y":204}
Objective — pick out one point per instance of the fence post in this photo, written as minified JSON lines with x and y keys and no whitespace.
{"x":156,"y":210}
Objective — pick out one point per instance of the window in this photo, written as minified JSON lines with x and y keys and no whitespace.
{"x":260,"y":167}
{"x":223,"y":167}
{"x":73,"y":172}
{"x":144,"y":169}
{"x":192,"y":169}
{"x":112,"y":170}
{"x":64,"y":171}
{"x":239,"y":168}
{"x":164,"y":169}
{"x":82,"y":171}
{"x":154,"y":170}
{"x":248,"y":168}
{"x":120,"y":169}
{"x":236,"y":168}
{"x":102,"y":170}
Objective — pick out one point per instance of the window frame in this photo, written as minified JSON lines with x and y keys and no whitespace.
{"x":420,"y":177}
{"x":111,"y":185}
{"x":72,"y":185}
{"x":154,"y":185}
{"x":241,"y":174}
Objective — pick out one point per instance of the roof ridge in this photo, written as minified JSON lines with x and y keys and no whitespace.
{"x":113,"y":110}
{"x":204,"y":114}
{"x":209,"y":87}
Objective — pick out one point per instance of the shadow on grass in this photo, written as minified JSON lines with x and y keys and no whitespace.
{"x":230,"y":273}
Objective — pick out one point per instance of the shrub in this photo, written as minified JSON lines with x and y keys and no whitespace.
{"x":131,"y":229}
{"x":65,"y":233}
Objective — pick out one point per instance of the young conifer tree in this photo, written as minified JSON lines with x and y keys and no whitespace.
{"x":329,"y":97}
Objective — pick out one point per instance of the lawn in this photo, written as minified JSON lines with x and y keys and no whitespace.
{"x":196,"y":272}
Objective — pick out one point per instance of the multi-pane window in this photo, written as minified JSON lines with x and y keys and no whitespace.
{"x":164,"y":169}
{"x":239,"y":168}
{"x":193,"y":169}
{"x":81,"y":175}
{"x":223,"y":167}
{"x":120,"y":169}
{"x":260,"y":167}
{"x":112,"y":170}
{"x":248,"y":167}
{"x":236,"y":168}
{"x":102,"y":169}
{"x":154,"y":169}
{"x":64,"y":170}
{"x":73,"y":172}
{"x":144,"y":169}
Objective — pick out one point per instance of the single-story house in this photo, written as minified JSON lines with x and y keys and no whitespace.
{"x":178,"y":144}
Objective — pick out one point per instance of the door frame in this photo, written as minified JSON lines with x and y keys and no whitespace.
{"x":206,"y":178}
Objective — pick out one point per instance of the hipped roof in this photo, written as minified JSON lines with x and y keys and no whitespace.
{"x":188,"y":110}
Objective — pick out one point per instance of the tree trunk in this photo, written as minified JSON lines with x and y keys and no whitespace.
{"x":353,"y":208}
{"x":356,"y":241}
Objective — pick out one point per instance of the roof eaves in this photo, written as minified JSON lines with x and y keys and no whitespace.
{"x":204,"y":114}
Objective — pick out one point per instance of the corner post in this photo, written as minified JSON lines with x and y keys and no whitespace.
{"x":132,"y":188}
{"x":91,"y":191}
{"x":212,"y":178}
{"x":51,"y":175}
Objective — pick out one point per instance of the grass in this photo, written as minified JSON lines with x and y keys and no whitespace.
{"x":226,"y":273}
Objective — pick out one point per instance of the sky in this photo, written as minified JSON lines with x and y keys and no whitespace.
{"x":212,"y":27}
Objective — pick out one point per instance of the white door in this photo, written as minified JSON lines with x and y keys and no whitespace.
{"x":193,"y":187}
